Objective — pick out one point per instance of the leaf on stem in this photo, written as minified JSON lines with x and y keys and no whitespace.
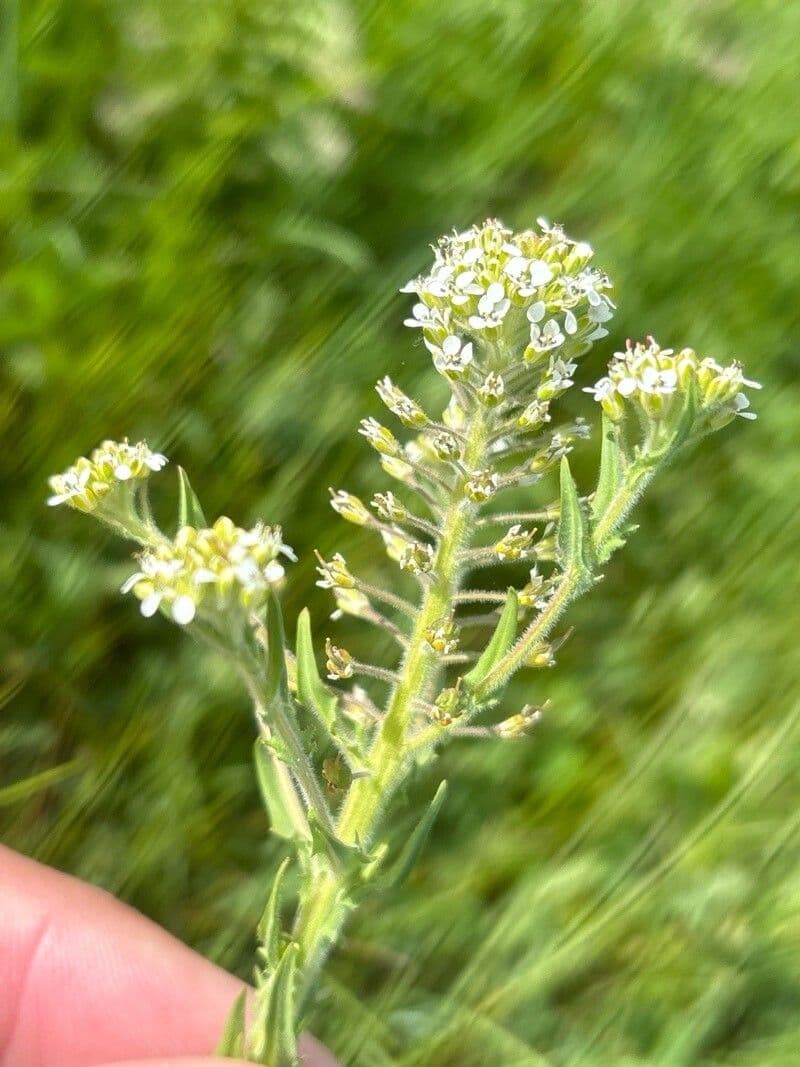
{"x":269,"y":925}
{"x":283,"y":819}
{"x":501,"y":641}
{"x":311,"y":690}
{"x":189,"y":511}
{"x":571,"y":542}
{"x":276,"y":1041}
{"x":412,"y":849}
{"x":611,"y":478}
{"x":231,"y":1043}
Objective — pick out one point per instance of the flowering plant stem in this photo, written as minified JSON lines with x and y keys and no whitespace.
{"x":506,"y":318}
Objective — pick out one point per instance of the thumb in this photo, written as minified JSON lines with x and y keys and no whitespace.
{"x":179,"y":1061}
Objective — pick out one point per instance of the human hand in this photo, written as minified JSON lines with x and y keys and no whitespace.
{"x":85,"y":980}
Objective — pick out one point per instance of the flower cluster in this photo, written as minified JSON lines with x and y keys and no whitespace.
{"x":490,"y":284}
{"x":88,"y":481}
{"x":233,"y":566}
{"x":656,"y":380}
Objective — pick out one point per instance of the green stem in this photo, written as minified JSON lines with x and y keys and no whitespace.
{"x":619,"y":507}
{"x":323,"y":911}
{"x":572,"y":582}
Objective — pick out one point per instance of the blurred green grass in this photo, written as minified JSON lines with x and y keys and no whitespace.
{"x":206,"y":210}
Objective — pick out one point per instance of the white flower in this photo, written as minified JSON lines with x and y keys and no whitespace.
{"x":528,"y":275}
{"x":422,"y":317}
{"x":602,"y":390}
{"x":453,"y":356}
{"x":232,"y":567}
{"x":547,"y":337}
{"x":87,"y":481}
{"x":465,"y":287}
{"x":493,"y":307}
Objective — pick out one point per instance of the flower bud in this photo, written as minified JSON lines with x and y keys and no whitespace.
{"x":340,"y":663}
{"x":349,"y":507}
{"x":514,"y":544}
{"x":481,"y":486}
{"x":381,"y":439}
{"x":417,"y":558}
{"x":389,"y":507}
{"x":334,"y":573}
{"x":445,"y":446}
{"x":535,"y":414}
{"x":409,"y":413}
{"x":443,"y":638}
{"x":492,"y":391}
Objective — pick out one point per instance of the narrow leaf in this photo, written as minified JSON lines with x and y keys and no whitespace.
{"x":310,"y":688}
{"x":286,"y":817}
{"x":279,"y":1047}
{"x":688,"y":417}
{"x":501,"y":641}
{"x":612,"y":468}
{"x":231,"y":1043}
{"x":571,"y":538}
{"x":343,"y":855}
{"x":412,"y":849}
{"x":269,"y":926}
{"x":189,"y":511}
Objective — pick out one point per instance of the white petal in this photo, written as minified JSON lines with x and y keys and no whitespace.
{"x":273,"y":572}
{"x":183,"y":610}
{"x":131,"y":582}
{"x":537,"y":311}
{"x":495,"y":292}
{"x":150,"y":605}
{"x":627,"y":387}
{"x":122,"y":472}
{"x":540,"y":273}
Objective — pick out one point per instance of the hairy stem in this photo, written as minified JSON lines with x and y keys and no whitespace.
{"x":322,"y":914}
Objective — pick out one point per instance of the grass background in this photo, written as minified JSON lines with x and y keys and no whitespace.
{"x":206,"y":209}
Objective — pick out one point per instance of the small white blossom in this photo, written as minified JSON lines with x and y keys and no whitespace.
{"x":546,"y":338}
{"x":493,"y":307}
{"x":222,"y":566}
{"x":84,"y":485}
{"x":453,"y":356}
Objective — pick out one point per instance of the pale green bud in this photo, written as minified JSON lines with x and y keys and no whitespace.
{"x":349,"y":507}
{"x":381,"y":439}
{"x":481,"y":486}
{"x":340,"y":663}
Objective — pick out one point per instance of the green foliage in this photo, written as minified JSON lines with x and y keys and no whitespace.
{"x":499,"y":643}
{"x":206,"y":212}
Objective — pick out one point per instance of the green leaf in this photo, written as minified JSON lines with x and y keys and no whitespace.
{"x":501,"y":641}
{"x":286,"y":817}
{"x":311,"y":690}
{"x":189,"y":511}
{"x":571,"y":540}
{"x":277,"y":1042}
{"x":231,"y":1043}
{"x":413,"y":847}
{"x":345,"y":857}
{"x":269,"y":927}
{"x":688,"y":416}
{"x":612,"y":467}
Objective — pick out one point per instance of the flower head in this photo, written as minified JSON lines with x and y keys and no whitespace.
{"x":492,"y":284}
{"x":221,"y":567}
{"x":88,"y":481}
{"x":657,"y":381}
